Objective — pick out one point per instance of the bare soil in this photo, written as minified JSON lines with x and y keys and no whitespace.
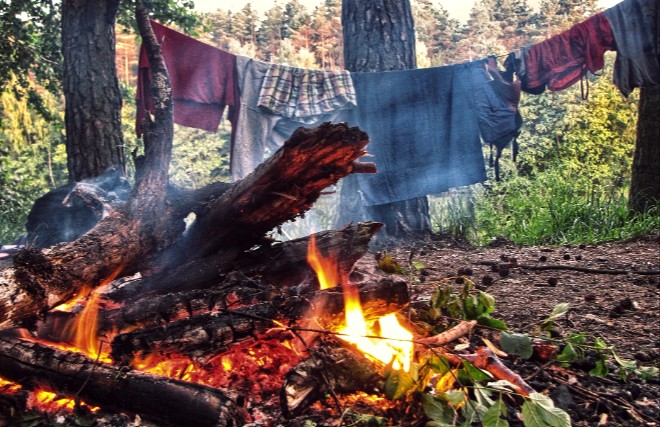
{"x":614,"y":293}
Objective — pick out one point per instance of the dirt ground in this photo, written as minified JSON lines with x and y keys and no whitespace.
{"x":623,"y":309}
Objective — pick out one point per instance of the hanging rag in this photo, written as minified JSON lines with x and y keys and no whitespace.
{"x":562,"y":60}
{"x":270,"y":113}
{"x":305,"y":95}
{"x":201,"y":76}
{"x":423,"y":130}
{"x":636,"y":28}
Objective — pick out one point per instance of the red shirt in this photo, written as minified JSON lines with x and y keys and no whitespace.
{"x":202,"y":79}
{"x":562,"y":60}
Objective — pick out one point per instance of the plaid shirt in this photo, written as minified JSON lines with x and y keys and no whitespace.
{"x":303,"y":95}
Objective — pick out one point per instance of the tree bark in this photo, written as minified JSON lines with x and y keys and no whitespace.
{"x":645,"y":180}
{"x":159,"y":399}
{"x":94,"y":140}
{"x":380,"y":36}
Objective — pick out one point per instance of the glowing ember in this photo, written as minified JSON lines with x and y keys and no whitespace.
{"x":395,"y":346}
{"x":325,"y":268}
{"x":49,"y":401}
{"x":179,"y":368}
{"x":8,"y":387}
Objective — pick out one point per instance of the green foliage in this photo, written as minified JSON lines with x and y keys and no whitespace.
{"x":464,"y":305}
{"x":517,"y":344}
{"x":29,"y":42}
{"x":539,"y":411}
{"x":453,"y":214}
{"x":458,"y":400}
{"x":32,"y":156}
{"x":578,"y":347}
{"x":558,"y":208}
{"x":548,"y":323}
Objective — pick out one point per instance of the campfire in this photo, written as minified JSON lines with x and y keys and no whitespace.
{"x":268,"y":348}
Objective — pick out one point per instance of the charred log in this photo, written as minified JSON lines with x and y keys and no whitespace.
{"x":283,"y":263}
{"x":332,"y":368}
{"x":283,"y":187}
{"x":198,"y":337}
{"x":204,"y":335}
{"x":155,"y":398}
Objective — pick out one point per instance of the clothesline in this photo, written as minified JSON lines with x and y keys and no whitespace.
{"x":422,"y":141}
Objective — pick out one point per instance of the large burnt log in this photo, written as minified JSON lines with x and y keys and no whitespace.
{"x":160,"y":399}
{"x":205,"y":335}
{"x":284,"y":264}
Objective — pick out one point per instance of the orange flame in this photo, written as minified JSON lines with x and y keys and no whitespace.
{"x":8,"y":387}
{"x":49,"y":401}
{"x":396,"y":347}
{"x":82,"y":332}
{"x":325,"y":268}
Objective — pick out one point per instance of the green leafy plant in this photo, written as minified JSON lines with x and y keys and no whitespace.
{"x":578,"y":347}
{"x":468,"y":304}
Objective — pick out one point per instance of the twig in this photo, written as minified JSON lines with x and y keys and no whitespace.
{"x":575,"y":268}
{"x":463,"y":328}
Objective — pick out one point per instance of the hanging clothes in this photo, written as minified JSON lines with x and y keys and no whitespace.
{"x":636,"y":28}
{"x":497,"y":105}
{"x":202,"y":79}
{"x":275,"y":100}
{"x":423,"y":130}
{"x":562,"y":60}
{"x":305,"y":95}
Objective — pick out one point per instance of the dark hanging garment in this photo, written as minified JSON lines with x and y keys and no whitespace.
{"x":423,"y":131}
{"x":497,"y":102}
{"x":514,"y":65}
{"x":636,"y":28}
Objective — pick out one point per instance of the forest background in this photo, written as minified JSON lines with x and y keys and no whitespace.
{"x":569,"y":183}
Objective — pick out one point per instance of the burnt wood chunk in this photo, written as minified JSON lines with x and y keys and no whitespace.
{"x":160,"y":399}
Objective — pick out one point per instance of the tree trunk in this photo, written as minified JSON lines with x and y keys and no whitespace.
{"x":94,"y":141}
{"x":380,"y":36}
{"x":645,"y":180}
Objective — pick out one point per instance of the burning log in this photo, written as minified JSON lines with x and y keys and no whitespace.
{"x":283,"y":263}
{"x":331,"y":369}
{"x":310,"y":161}
{"x":198,"y":337}
{"x":159,"y":399}
{"x":205,"y":335}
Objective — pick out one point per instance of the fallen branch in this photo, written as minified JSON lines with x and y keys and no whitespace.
{"x":485,"y":359}
{"x":573,"y":268}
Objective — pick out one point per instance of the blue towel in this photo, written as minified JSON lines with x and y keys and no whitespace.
{"x":423,"y":130}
